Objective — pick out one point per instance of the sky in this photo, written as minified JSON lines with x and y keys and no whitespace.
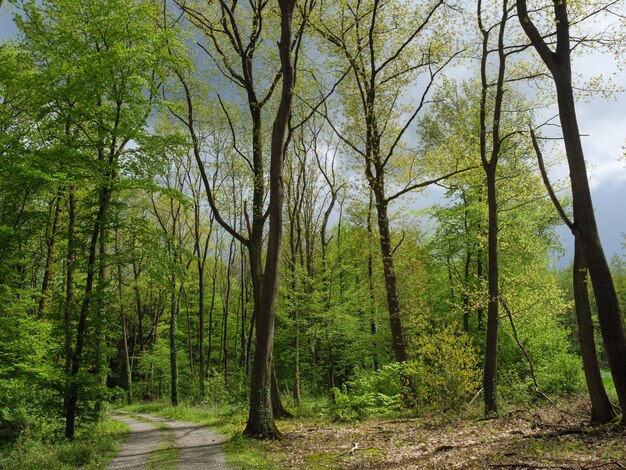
{"x":602,"y":122}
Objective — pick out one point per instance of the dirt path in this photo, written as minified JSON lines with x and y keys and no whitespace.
{"x":138,"y":447}
{"x":200,"y":448}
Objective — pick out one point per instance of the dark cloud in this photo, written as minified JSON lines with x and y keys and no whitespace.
{"x":609,"y":200}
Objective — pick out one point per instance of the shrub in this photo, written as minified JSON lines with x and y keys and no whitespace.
{"x":352,"y":407}
{"x":557,"y":369}
{"x":370,"y":393}
{"x":447,"y":372}
{"x":444,"y":376}
{"x":219,"y":393}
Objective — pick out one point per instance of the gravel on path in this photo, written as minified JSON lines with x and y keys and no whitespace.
{"x":200,"y":448}
{"x":137,"y":449}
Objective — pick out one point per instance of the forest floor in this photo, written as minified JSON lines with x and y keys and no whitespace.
{"x":539,"y":437}
{"x":162,"y":443}
{"x":546,"y":438}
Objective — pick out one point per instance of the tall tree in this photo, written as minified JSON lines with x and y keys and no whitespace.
{"x":101,"y":100}
{"x":260,"y":419}
{"x":601,"y":408}
{"x":169,"y":212}
{"x":490,"y":155}
{"x":201,"y":251}
{"x":234,"y":50}
{"x":559,"y":63}
{"x":383,"y":66}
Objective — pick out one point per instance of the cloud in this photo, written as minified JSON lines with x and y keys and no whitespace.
{"x":602,"y":121}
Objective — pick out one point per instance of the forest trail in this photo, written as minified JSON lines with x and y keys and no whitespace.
{"x":138,"y":448}
{"x":199,"y":447}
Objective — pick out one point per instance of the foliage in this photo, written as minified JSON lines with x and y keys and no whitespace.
{"x":377,"y":393}
{"x":449,"y":372}
{"x":444,"y":376}
{"x":558,"y":371}
{"x":93,"y":447}
{"x":154,"y":364}
{"x":28,"y":400}
{"x":234,"y":392}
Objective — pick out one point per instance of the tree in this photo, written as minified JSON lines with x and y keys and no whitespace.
{"x":99,"y":84}
{"x":489,"y":160}
{"x":260,"y":420}
{"x":382,"y":66}
{"x":226,"y":32}
{"x":201,"y":250}
{"x":601,"y":408}
{"x":584,"y":228}
{"x":169,"y":211}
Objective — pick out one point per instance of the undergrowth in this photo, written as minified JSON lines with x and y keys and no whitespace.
{"x":92,"y":448}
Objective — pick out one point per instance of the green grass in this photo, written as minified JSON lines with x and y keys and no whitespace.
{"x":223,"y":419}
{"x":242,"y":452}
{"x":92,"y":448}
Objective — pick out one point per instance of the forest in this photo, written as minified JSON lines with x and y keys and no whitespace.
{"x":324,"y":229}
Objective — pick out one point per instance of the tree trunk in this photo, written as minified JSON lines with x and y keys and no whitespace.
{"x":201,"y":359}
{"x":294,"y":246}
{"x":297,"y":397}
{"x":370,"y":282}
{"x":466,"y":287}
{"x":490,"y":165}
{"x":77,"y":355}
{"x":611,"y":323}
{"x":261,"y":419}
{"x":491,"y":350}
{"x":243,"y":299}
{"x":330,"y":364}
{"x":211,"y":309}
{"x":101,"y":310}
{"x":278,"y":408}
{"x":249,"y":343}
{"x":140,"y":312}
{"x":225,"y":311}
{"x":480,"y":311}
{"x":201,"y":253}
{"x":586,"y":230}
{"x":128,"y":375}
{"x":601,"y":409}
{"x":189,"y":333}
{"x":48,"y":274}
{"x":393,"y":302}
{"x":173,"y":343}
{"x":69,"y":289}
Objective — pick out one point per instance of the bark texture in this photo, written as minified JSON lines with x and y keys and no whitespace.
{"x":601,"y":408}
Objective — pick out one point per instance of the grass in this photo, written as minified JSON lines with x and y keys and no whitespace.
{"x":222,"y":419}
{"x":242,"y":452}
{"x":92,"y":448}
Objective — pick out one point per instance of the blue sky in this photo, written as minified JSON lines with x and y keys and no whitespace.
{"x":603,"y":123}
